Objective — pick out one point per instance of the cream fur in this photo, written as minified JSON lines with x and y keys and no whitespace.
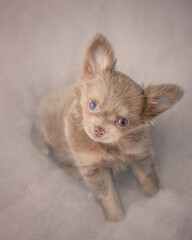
{"x":64,"y":119}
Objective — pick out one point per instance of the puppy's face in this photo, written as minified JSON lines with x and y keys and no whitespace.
{"x":112,"y":104}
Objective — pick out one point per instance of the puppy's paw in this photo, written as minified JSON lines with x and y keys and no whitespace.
{"x":150,"y":186}
{"x":39,"y":141}
{"x":115,"y":216}
{"x":45,"y":150}
{"x":113,"y":210}
{"x":150,"y":189}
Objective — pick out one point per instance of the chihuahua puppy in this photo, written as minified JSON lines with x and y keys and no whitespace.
{"x":99,"y":126}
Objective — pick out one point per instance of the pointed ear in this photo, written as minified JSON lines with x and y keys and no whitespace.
{"x":99,"y":56}
{"x":160,"y":98}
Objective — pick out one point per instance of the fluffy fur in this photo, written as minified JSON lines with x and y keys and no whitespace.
{"x":66,"y":126}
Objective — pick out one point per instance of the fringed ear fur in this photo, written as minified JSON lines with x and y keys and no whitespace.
{"x":99,"y":56}
{"x":160,"y":98}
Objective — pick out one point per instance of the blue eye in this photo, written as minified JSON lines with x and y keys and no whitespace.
{"x":92,"y":105}
{"x":122,"y":122}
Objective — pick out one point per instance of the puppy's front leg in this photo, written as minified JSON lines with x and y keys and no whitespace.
{"x":99,"y":180}
{"x":144,"y":171}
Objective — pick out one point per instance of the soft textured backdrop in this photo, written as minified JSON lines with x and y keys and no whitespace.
{"x":42,"y":43}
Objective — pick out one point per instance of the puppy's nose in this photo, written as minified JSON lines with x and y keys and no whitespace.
{"x":99,"y":132}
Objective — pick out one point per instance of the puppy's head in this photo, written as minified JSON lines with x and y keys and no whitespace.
{"x":112,"y":104}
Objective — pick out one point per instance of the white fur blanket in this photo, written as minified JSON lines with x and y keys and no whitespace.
{"x":42,"y":44}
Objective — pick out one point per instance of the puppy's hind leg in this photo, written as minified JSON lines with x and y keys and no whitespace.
{"x":72,"y":171}
{"x":39,"y":141}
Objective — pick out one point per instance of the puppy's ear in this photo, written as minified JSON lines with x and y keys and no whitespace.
{"x":160,"y":98}
{"x":99,"y":56}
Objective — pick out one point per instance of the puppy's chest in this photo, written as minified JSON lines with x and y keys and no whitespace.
{"x":112,"y":158}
